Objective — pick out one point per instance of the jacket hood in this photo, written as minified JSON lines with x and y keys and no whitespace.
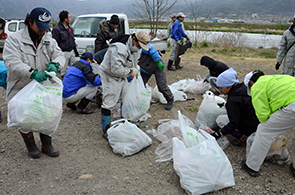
{"x":209,"y":62}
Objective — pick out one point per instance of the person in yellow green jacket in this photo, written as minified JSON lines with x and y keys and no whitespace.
{"x":273,"y":98}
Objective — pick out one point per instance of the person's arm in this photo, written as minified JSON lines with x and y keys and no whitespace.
{"x":282,"y":48}
{"x":121,"y":62}
{"x":260,"y":104}
{"x":90,"y":76}
{"x":234,"y":115}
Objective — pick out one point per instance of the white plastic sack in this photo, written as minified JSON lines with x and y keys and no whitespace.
{"x":178,"y":95}
{"x":37,"y":107}
{"x":276,"y":147}
{"x":209,"y":110}
{"x":192,"y":86}
{"x":136,"y":101}
{"x":202,"y":168}
{"x":199,"y":161}
{"x":126,"y":138}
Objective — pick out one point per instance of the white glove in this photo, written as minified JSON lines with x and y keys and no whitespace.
{"x":135,"y":71}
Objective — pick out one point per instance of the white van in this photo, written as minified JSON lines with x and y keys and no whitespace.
{"x":86,"y":27}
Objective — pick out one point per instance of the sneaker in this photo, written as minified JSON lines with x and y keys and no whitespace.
{"x":84,"y":111}
{"x":71,"y":106}
{"x":248,"y":170}
{"x":292,"y":169}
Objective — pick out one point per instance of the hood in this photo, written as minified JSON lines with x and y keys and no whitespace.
{"x":209,"y":62}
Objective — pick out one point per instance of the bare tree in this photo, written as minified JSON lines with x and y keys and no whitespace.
{"x":152,"y":10}
{"x":195,"y":8}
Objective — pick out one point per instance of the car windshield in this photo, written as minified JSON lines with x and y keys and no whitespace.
{"x":87,"y":26}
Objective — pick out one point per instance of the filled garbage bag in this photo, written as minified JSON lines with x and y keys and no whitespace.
{"x":199,"y":162}
{"x":126,"y":138}
{"x":37,"y":107}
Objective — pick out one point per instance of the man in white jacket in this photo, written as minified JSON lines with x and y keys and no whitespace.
{"x":120,"y":62}
{"x":27,"y":54}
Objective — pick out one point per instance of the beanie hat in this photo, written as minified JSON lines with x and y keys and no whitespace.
{"x":227,"y":78}
{"x":114,"y":19}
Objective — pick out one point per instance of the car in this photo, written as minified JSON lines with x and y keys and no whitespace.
{"x":7,"y":27}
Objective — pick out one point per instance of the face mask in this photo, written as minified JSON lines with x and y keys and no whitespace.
{"x":134,"y":48}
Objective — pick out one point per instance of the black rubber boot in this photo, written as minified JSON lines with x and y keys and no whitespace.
{"x":47,"y":146}
{"x":169,"y":66}
{"x":29,"y":140}
{"x":81,"y":108}
{"x":71,"y":106}
{"x":169,"y":105}
{"x":105,"y":121}
{"x":177,"y":63}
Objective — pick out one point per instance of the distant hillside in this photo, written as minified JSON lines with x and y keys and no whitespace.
{"x":221,"y":8}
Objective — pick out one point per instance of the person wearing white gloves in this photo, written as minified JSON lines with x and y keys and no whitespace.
{"x":120,"y":62}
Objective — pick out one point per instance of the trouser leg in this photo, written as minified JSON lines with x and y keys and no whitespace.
{"x":278,"y":123}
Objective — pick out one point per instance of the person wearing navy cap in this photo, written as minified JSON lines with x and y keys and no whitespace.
{"x":80,"y":84}
{"x":27,"y":54}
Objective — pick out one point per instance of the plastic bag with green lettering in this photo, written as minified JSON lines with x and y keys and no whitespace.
{"x":37,"y":107}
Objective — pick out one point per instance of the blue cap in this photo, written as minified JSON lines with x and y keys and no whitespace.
{"x":227,"y":78}
{"x":42,"y":17}
{"x":88,"y":55}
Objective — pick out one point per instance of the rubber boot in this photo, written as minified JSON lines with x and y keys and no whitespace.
{"x":81,"y":108}
{"x":105,"y":121}
{"x":169,"y":105}
{"x":169,"y":66}
{"x":177,"y":63}
{"x":47,"y":146}
{"x":29,"y":140}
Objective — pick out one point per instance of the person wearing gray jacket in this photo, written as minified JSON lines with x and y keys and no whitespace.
{"x":27,"y":54}
{"x":120,"y":62}
{"x":287,"y":51}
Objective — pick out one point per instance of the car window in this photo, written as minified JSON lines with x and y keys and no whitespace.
{"x":12,"y":26}
{"x":87,"y":26}
{"x":121,"y":28}
{"x":21,"y":25}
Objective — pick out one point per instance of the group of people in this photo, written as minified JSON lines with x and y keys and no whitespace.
{"x":264,"y":104}
{"x":30,"y":52}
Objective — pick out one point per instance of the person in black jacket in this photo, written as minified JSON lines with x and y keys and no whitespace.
{"x":63,"y":33}
{"x":215,"y":69}
{"x":241,"y":120}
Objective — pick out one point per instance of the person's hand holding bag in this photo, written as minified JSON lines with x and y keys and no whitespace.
{"x":39,"y":76}
{"x":52,"y":67}
{"x":135,"y":71}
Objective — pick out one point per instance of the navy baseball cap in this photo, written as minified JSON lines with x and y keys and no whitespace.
{"x":42,"y":17}
{"x":88,"y":55}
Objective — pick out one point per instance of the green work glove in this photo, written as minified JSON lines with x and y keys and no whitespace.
{"x":39,"y":76}
{"x":52,"y":67}
{"x":160,"y":65}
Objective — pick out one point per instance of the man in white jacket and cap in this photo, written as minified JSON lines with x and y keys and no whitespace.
{"x":120,"y":62}
{"x":27,"y":54}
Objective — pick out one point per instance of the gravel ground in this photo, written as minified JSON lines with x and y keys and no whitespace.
{"x":83,"y":152}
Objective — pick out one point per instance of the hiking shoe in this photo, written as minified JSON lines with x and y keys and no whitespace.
{"x":84,"y":111}
{"x":292,"y":169}
{"x":248,"y":170}
{"x":71,"y":106}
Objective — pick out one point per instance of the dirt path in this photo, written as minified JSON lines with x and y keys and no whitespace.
{"x":84,"y":151}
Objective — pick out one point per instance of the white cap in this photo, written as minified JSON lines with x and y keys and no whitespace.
{"x":247,"y":80}
{"x":180,"y":14}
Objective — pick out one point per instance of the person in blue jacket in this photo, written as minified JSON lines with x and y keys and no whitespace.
{"x":80,"y":84}
{"x":176,"y":35}
{"x":3,"y":75}
{"x":151,"y":63}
